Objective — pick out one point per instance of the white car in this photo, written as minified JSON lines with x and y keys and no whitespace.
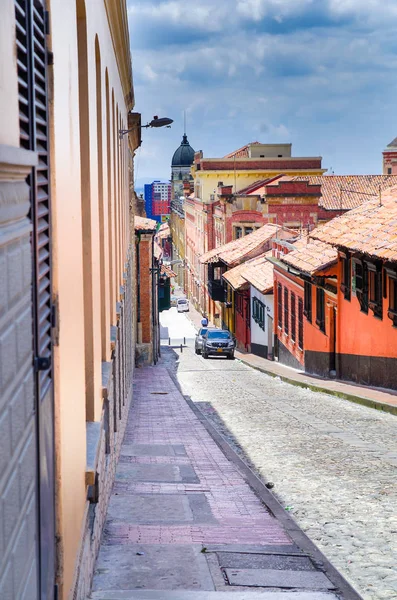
{"x":182,"y":305}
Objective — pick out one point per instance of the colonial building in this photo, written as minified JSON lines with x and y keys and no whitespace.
{"x":210,"y":220}
{"x":306,"y":306}
{"x":182,"y":161}
{"x":366,"y":320}
{"x":221,"y":301}
{"x":66,"y":304}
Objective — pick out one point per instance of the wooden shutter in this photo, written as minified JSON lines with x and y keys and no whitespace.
{"x":31,"y":31}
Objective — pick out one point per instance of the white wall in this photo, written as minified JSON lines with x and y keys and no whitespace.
{"x":258,"y":336}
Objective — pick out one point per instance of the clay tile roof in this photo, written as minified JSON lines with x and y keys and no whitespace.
{"x":166,"y":270}
{"x":257,"y":187}
{"x":235,"y":277}
{"x":260,"y":275}
{"x":241,"y":152}
{"x":143,"y":224}
{"x":246,"y":247}
{"x":157,"y":250}
{"x":164,"y":231}
{"x":311,"y":256}
{"x":348,"y":191}
{"x":370,"y":229}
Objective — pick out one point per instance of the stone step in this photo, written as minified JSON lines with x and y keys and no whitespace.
{"x":200,"y":595}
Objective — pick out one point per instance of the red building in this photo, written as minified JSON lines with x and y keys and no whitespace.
{"x":312,"y":265}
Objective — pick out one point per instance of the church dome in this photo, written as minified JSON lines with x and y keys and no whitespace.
{"x":184,"y":155}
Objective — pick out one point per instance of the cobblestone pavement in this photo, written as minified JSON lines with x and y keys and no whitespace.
{"x":333,"y":463}
{"x":182,"y":518}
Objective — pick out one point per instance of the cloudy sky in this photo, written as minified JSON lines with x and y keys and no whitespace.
{"x":321,"y":74}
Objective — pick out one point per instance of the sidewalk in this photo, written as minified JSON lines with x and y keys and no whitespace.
{"x":184,"y":522}
{"x":367,"y":396}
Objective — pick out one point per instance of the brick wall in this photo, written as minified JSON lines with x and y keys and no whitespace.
{"x":145,"y":262}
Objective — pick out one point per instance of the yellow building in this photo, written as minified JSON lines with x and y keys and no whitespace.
{"x":208,"y":222}
{"x":65,"y":93}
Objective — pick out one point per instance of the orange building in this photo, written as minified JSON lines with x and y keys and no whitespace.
{"x":366,"y":323}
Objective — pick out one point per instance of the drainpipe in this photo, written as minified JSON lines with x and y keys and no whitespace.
{"x":154,"y":307}
{"x":138,"y":274}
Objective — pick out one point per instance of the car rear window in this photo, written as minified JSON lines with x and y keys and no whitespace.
{"x":182,"y":301}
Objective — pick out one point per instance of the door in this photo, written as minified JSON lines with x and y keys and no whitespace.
{"x":269,"y":337}
{"x":31,"y":31}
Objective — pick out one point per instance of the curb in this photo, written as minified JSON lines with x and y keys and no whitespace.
{"x":382,"y":406}
{"x":294,"y":531}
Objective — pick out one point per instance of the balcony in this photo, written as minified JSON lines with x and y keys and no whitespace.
{"x":216,"y":290}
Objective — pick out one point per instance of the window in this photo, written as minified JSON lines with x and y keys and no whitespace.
{"x":239,"y":298}
{"x":375,"y":289}
{"x":320,"y":309}
{"x":286,"y":316}
{"x":389,"y":170}
{"x":238,"y":233}
{"x":258,"y":313}
{"x":308,"y":301}
{"x":392,"y":312}
{"x":293,"y":317}
{"x":360,"y":284}
{"x":248,"y":230}
{"x":346,"y":274}
{"x":300,"y":323}
{"x":280,"y":306}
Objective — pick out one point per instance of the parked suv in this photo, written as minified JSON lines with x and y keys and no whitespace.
{"x":198,"y":342}
{"x":218,"y":342}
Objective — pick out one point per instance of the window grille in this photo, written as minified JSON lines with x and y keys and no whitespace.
{"x":293,"y":317}
{"x":308,"y":301}
{"x":280,"y":306}
{"x":286,"y":315}
{"x":320,"y":309}
{"x":300,"y":323}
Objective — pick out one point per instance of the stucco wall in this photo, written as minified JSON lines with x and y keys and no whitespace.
{"x":260,"y":337}
{"x":90,"y":243}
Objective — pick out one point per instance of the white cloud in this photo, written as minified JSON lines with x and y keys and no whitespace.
{"x":318,"y":73}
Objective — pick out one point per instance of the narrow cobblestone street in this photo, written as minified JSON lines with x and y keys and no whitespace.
{"x":333,"y":463}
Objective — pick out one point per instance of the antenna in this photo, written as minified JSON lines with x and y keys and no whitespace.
{"x":184,"y":122}
{"x":380,"y":195}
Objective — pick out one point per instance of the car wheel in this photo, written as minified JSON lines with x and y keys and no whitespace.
{"x":204,"y":355}
{"x":197,"y":351}
{"x":230,"y":356}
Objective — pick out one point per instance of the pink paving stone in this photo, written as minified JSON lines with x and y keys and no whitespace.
{"x":156,"y":419}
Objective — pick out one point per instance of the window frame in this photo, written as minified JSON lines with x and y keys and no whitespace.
{"x":308,"y":300}
{"x":293,"y":317}
{"x":286,"y":310}
{"x":345,"y":285}
{"x":300,"y":324}
{"x":280,"y":306}
{"x":392,"y":291}
{"x":320,"y":308}
{"x":375,"y":289}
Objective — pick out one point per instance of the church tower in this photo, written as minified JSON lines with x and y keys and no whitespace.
{"x":390,"y":158}
{"x":180,"y":167}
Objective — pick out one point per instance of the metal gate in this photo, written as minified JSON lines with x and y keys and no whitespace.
{"x":31,"y":31}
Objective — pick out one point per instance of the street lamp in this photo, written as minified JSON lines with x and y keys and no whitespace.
{"x":155,"y":122}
